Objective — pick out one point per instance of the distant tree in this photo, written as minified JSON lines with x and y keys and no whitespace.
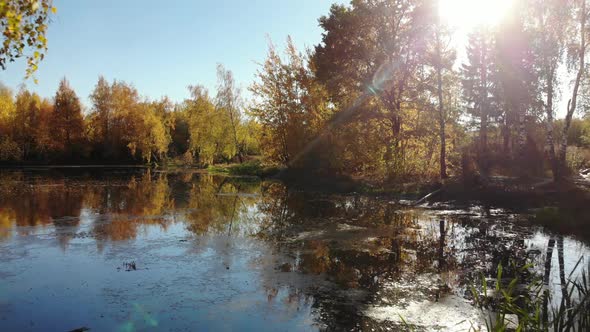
{"x":23,"y":24}
{"x":125,"y":119}
{"x":290,"y":105}
{"x":479,"y":82}
{"x":9,"y":148}
{"x":123,"y":126}
{"x":516,"y":74}
{"x":440,"y":57}
{"x":229,"y":101}
{"x":102,"y":108}
{"x":151,"y":137}
{"x":67,"y":121}
{"x":27,"y":121}
{"x":180,"y":133}
{"x":211,"y":135}
{"x":43,"y":135}
{"x":549,"y":21}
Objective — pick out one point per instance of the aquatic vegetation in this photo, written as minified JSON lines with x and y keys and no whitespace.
{"x":516,"y":304}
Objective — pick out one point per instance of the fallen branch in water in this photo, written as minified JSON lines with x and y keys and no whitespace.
{"x":427,"y":196}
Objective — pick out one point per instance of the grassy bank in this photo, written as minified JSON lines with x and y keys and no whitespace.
{"x":250,"y":168}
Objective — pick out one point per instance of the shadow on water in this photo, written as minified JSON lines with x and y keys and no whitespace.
{"x":215,"y":253}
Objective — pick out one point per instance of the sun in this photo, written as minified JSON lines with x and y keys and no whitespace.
{"x":467,"y":14}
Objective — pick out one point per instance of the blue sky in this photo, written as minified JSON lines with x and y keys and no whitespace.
{"x":163,"y":46}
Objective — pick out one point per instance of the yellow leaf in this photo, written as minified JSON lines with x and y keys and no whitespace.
{"x":54,"y":10}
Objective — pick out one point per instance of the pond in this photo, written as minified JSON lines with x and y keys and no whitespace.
{"x":142,"y":250}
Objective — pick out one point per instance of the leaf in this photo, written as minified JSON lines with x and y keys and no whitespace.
{"x":54,"y":10}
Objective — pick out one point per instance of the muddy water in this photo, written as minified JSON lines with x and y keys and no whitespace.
{"x":120,"y":250}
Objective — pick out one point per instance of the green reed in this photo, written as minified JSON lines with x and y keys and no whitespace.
{"x":525,"y":305}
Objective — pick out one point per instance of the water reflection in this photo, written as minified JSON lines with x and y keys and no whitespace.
{"x":118,"y":208}
{"x":387,"y":257}
{"x":257,"y":249}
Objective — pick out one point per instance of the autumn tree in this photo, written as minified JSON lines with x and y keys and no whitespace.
{"x":102,"y":117}
{"x":150,"y":137}
{"x":439,"y":58}
{"x":9,"y":148}
{"x":23,"y":25}
{"x":67,"y":121}
{"x":124,"y":100}
{"x":31,"y":129}
{"x":123,"y":124}
{"x":43,"y":134}
{"x":289,"y":104}
{"x":549,"y":21}
{"x":371,"y":50}
{"x":211,"y":136}
{"x":228,"y":102}
{"x":27,"y":109}
{"x":577,"y":60}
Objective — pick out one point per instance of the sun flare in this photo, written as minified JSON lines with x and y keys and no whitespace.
{"x":467,"y":14}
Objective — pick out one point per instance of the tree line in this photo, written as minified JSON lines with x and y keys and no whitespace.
{"x":383,"y":95}
{"x":123,"y":127}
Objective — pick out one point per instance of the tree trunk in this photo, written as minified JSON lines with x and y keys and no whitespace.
{"x":235,"y":134}
{"x":572,"y":102}
{"x":521,"y":130}
{"x":483,"y":130}
{"x":483,"y":143}
{"x":550,"y":138}
{"x":393,"y":148}
{"x":506,"y":136}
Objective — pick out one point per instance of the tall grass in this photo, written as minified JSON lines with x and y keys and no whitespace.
{"x":518,"y":305}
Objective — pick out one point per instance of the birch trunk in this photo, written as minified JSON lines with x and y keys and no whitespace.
{"x":572,"y":102}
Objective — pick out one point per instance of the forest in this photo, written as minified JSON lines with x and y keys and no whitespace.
{"x":385,"y":96}
{"x":404,"y":172}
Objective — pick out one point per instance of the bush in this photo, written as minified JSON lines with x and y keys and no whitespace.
{"x":577,"y":158}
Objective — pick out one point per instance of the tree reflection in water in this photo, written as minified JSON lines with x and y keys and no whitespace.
{"x":345,"y":256}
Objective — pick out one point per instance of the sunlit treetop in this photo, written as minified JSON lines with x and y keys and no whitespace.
{"x":23,"y":24}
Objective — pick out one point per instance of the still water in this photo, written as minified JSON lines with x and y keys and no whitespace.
{"x":139,"y":250}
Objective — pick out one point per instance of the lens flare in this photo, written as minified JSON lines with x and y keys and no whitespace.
{"x":467,"y":14}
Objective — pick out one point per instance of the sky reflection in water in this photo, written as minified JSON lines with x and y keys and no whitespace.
{"x":217,"y":253}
